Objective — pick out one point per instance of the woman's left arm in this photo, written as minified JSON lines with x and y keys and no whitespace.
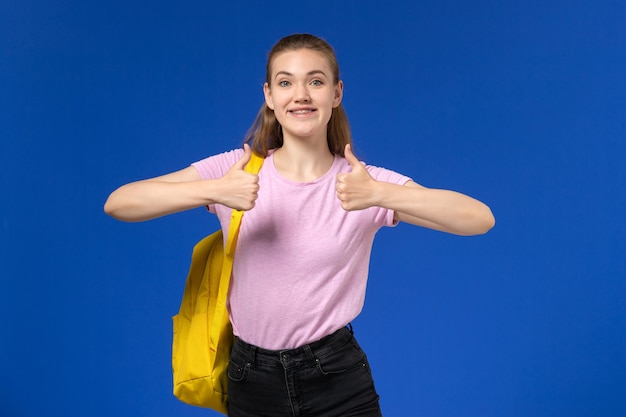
{"x":443,"y":210}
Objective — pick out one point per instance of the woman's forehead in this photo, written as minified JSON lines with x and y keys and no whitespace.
{"x":300,"y":61}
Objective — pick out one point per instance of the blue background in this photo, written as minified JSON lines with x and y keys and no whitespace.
{"x":520,"y":104}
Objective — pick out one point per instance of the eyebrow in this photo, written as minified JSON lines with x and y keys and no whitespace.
{"x":288,"y":74}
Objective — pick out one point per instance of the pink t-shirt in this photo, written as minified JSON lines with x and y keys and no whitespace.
{"x":301,"y":261}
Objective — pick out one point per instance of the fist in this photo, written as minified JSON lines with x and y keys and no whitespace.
{"x":355,"y":189}
{"x":240,"y":188}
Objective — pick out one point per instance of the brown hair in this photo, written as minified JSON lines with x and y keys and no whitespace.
{"x":266,"y":133}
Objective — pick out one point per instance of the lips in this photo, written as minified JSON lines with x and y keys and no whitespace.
{"x":302,"y":111}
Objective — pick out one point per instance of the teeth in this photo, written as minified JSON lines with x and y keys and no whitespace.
{"x":301,"y":111}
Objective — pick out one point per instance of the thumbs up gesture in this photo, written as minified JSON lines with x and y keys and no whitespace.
{"x":355,"y":189}
{"x":240,"y":187}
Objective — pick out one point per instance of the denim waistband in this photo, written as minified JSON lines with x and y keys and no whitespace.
{"x":318,"y":348}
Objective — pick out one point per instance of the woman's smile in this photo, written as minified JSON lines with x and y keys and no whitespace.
{"x":302,"y":111}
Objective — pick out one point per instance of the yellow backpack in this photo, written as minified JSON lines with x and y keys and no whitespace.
{"x":203,"y":336}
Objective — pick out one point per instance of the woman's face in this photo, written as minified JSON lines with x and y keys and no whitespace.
{"x":302,"y":93}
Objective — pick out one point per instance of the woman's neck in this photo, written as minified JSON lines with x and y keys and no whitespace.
{"x":303,"y":161}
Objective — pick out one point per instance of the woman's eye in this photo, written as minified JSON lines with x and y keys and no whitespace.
{"x":283,"y":83}
{"x":316,"y":82}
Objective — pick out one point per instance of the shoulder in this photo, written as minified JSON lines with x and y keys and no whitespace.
{"x":378,"y":173}
{"x":387,"y":175}
{"x":231,"y":156}
{"x":217,"y":165}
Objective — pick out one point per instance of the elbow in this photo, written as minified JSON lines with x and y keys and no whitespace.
{"x":114,"y":208}
{"x":110,"y":208}
{"x":485,"y":221}
{"x":478,"y":222}
{"x":124,"y":207}
{"x":488,"y":223}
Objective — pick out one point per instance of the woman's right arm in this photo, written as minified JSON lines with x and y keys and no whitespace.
{"x":183,"y":190}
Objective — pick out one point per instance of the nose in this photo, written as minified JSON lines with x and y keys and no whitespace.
{"x":302,"y":93}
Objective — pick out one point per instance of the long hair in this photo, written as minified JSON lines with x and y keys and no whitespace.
{"x":266,"y":133}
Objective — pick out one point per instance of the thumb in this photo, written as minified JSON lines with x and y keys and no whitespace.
{"x":247,"y":154}
{"x":352,"y":160}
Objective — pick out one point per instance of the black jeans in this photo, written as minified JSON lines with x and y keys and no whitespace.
{"x":330,"y":377}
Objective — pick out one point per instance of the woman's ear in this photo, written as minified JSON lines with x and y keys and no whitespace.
{"x":268,"y":96}
{"x":338,"y":94}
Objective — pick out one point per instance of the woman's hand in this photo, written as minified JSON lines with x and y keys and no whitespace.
{"x":355,"y":189}
{"x":239,"y":189}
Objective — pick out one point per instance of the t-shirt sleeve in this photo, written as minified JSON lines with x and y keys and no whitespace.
{"x":216,"y":166}
{"x":387,"y":175}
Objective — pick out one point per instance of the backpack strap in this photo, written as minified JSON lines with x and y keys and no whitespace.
{"x":253,"y":166}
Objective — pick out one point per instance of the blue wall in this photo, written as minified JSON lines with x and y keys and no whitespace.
{"x":521,"y":105}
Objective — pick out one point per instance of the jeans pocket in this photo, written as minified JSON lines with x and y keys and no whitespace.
{"x":349,"y":358}
{"x":236,"y":372}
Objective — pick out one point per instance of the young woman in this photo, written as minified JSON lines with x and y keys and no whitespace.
{"x":303,"y":250}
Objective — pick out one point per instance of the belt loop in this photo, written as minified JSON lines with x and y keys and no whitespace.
{"x":309,"y":352}
{"x":349,"y":326}
{"x":252,"y":356}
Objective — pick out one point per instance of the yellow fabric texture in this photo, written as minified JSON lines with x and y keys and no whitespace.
{"x":203,"y":336}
